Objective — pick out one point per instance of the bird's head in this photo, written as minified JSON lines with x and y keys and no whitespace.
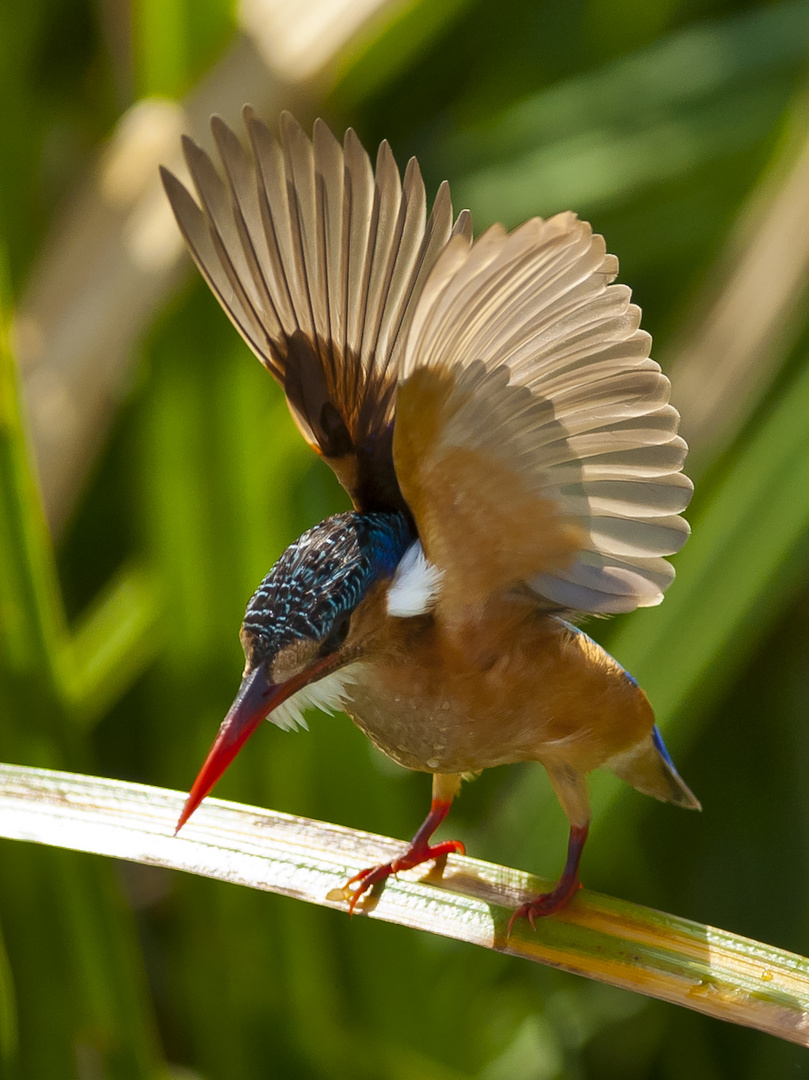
{"x":302,"y":629}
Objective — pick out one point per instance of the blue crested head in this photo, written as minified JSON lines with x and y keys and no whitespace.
{"x":296,"y":625}
{"x":309,"y":595}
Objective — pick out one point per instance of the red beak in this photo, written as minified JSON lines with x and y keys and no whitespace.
{"x":256,"y":698}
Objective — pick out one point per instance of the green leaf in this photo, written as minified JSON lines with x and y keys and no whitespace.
{"x":82,"y":969}
{"x":32,"y":625}
{"x":623,"y":944}
{"x":703,"y":93}
{"x":115,"y":641}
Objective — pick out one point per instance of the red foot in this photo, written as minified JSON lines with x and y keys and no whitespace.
{"x":564,"y":890}
{"x":412,"y":857}
{"x":420,"y":851}
{"x":545,"y":904}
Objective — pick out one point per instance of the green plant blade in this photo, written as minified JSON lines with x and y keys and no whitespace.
{"x":699,"y":95}
{"x":115,"y":641}
{"x":702,"y":968}
{"x":79,"y":973}
{"x":32,"y":626}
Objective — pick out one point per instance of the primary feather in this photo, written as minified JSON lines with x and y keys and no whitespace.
{"x":319,"y":262}
{"x":499,"y":390}
{"x":544,"y":375}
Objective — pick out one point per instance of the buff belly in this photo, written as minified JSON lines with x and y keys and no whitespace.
{"x":555,"y":698}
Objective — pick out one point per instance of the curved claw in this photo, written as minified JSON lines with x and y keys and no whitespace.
{"x":565,"y":889}
{"x":545,"y":904}
{"x":414,"y":856}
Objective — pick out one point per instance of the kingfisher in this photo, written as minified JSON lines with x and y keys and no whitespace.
{"x":510,"y":453}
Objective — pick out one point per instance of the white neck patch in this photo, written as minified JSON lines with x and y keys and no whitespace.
{"x":327,"y":694}
{"x":415,"y":586}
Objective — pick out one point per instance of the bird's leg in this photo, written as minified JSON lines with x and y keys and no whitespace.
{"x":565,"y":888}
{"x":445,"y":788}
{"x":571,"y":791}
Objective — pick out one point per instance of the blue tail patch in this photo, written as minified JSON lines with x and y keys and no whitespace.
{"x":657,"y":739}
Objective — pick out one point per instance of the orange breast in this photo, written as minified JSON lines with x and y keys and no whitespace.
{"x":515,"y":686}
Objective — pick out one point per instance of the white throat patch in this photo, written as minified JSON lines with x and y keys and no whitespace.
{"x":328,"y":695}
{"x":416,"y":584}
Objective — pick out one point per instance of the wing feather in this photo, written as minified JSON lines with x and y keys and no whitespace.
{"x":362,"y":223}
{"x":534,"y":443}
{"x":330,"y":172}
{"x":530,"y":417}
{"x":276,"y":233}
{"x":201,"y":232}
{"x":258,"y":270}
{"x":319,"y":260}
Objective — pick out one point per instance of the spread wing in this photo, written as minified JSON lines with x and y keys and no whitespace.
{"x":318,"y":260}
{"x":534,"y":442}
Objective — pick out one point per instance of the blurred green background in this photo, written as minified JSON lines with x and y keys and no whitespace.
{"x":172,"y":479}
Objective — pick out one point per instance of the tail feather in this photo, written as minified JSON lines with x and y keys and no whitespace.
{"x":649,"y":768}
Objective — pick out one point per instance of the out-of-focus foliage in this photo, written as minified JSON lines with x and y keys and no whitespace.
{"x":657,"y":122}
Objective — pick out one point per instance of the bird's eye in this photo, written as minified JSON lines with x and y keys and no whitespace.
{"x":339,"y":632}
